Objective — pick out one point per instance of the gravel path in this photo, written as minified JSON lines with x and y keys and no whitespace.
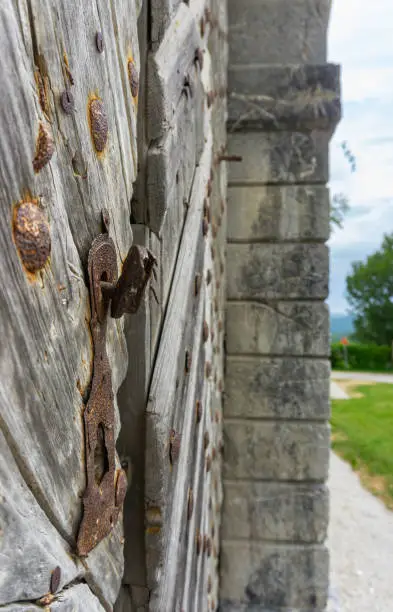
{"x":386,"y":378}
{"x":361,"y":545}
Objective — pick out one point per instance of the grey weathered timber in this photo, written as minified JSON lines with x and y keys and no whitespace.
{"x":290,"y":97}
{"x":275,"y":328}
{"x":168,"y":67}
{"x":77,"y":598}
{"x":284,"y":213}
{"x":46,"y":361}
{"x":278,"y":32}
{"x":278,"y":577}
{"x":163,"y":411}
{"x":162,"y":11}
{"x":274,"y":271}
{"x":277,"y":388}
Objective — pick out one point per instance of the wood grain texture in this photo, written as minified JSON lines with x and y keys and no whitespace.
{"x":46,"y":354}
{"x":164,"y":410}
{"x":168,"y":67}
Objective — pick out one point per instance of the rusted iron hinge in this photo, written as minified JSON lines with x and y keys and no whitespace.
{"x":106,"y":487}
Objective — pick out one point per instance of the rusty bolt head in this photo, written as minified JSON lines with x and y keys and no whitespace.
{"x":55,"y":580}
{"x":208,"y":277}
{"x":205,"y":226}
{"x":197,"y":284}
{"x":198,"y":408}
{"x":174,"y":446}
{"x":205,"y":332}
{"x":99,"y":124}
{"x":198,"y":542}
{"x":44,"y":148}
{"x":206,"y":440}
{"x":99,"y":42}
{"x":208,"y":369}
{"x":208,"y":463}
{"x":190,"y":503}
{"x":133,"y":78}
{"x":31,"y":236}
{"x":199,"y":57}
{"x":67,"y":102}
{"x":188,"y":361}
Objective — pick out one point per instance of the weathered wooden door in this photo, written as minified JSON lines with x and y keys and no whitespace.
{"x":106,"y":135}
{"x":67,"y":151}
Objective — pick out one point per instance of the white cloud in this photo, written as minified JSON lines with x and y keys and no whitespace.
{"x":361,"y":40}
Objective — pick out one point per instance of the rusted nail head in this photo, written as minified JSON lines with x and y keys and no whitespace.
{"x":67,"y":101}
{"x":44,"y":148}
{"x":205,"y":332}
{"x":31,"y":236}
{"x":197,"y":285}
{"x":198,"y":407}
{"x":55,"y":580}
{"x":190,"y":503}
{"x":188,"y":361}
{"x":99,"y":42}
{"x":99,"y":124}
{"x":133,"y":78}
{"x":198,"y":542}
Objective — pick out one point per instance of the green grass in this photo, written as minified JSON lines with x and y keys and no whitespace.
{"x":362,"y":431}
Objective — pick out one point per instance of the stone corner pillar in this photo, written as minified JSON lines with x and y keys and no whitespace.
{"x":283,"y":106}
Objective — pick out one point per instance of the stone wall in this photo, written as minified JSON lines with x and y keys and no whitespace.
{"x":283,"y":104}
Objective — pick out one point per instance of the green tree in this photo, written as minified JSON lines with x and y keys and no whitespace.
{"x":370,"y":294}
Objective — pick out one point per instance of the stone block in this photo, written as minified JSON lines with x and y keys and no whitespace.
{"x":291,"y":97}
{"x":275,"y":451}
{"x":279,"y":512}
{"x":279,"y":157}
{"x":283,"y":388}
{"x":277,"y":271}
{"x":267,"y":577}
{"x":278,"y":31}
{"x":278,"y":328}
{"x":269,"y":212}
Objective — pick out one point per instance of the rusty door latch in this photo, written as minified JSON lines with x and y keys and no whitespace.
{"x":106,"y":486}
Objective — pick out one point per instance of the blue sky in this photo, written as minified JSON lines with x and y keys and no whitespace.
{"x":361,"y":40}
